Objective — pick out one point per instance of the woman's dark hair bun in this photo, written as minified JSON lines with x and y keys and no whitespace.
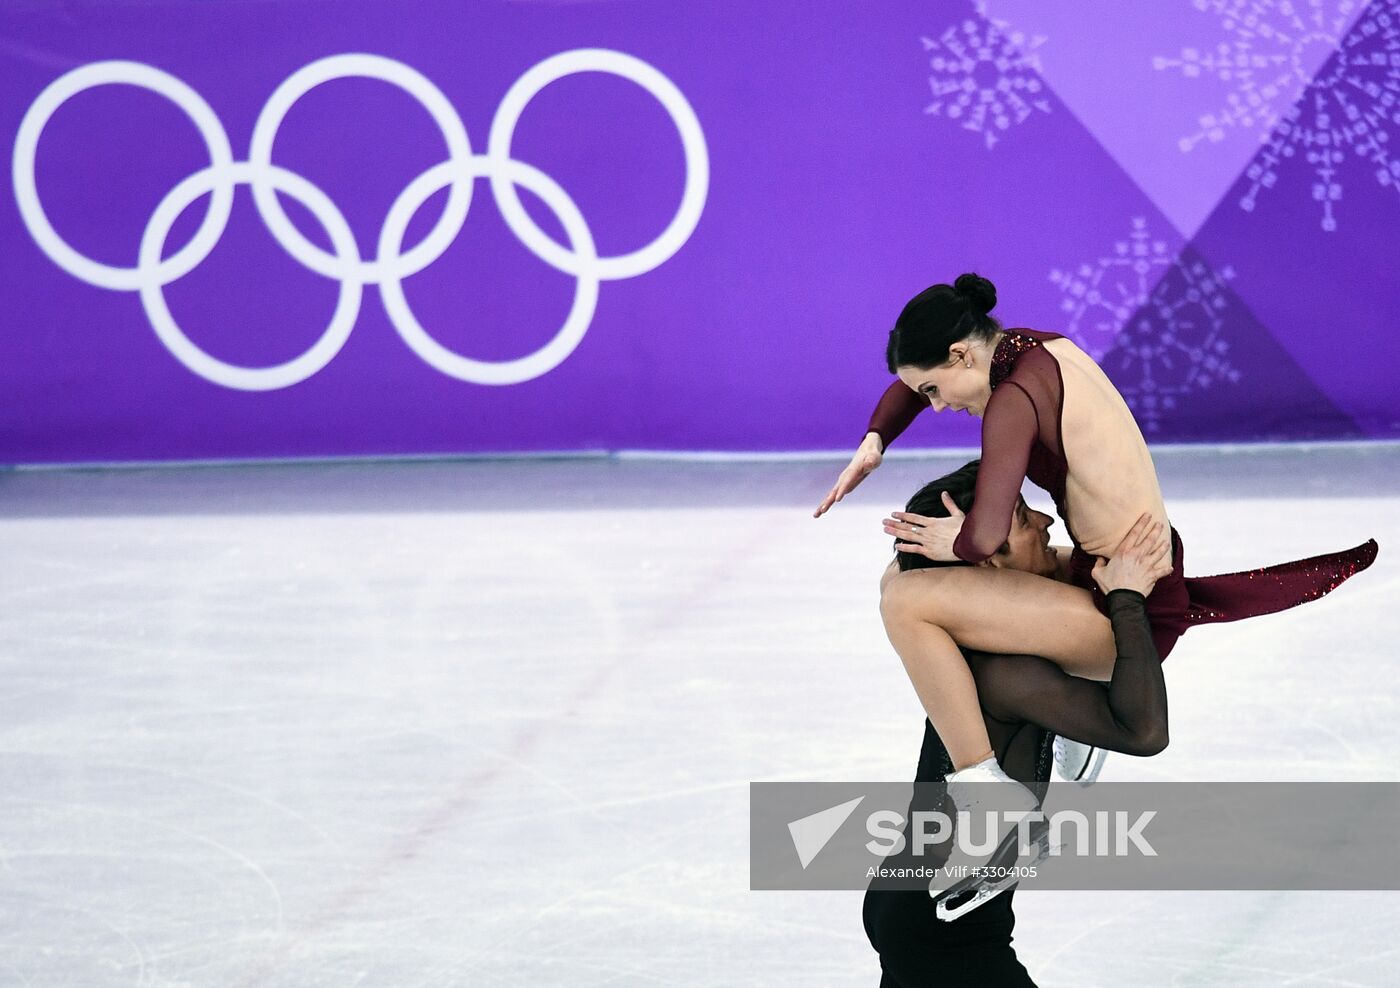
{"x":939,"y":316}
{"x":980,"y":293}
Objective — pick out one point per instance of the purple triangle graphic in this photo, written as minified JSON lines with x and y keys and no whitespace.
{"x":1196,"y":365}
{"x":1329,"y":292}
{"x":1181,"y":97}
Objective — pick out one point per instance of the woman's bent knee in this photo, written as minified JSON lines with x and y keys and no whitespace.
{"x":911,"y":594}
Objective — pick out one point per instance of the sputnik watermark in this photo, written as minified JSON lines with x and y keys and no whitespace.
{"x":1111,"y":833}
{"x":1200,"y":835}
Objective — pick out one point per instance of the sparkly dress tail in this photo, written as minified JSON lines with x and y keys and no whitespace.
{"x":1235,"y":596}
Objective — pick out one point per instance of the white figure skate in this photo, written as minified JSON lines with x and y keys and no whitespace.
{"x":977,"y":792}
{"x":1078,"y":762}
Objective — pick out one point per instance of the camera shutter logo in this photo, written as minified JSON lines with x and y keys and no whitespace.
{"x":813,"y":832}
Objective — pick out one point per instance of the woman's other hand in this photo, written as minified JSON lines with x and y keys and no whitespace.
{"x":1143,"y":557}
{"x":867,"y":458}
{"x":931,"y":537}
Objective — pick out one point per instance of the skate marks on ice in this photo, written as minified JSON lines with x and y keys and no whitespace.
{"x":427,"y":725}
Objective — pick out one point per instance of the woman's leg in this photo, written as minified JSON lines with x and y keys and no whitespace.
{"x":943,"y":681}
{"x":1005,"y":611}
{"x":928,"y":613}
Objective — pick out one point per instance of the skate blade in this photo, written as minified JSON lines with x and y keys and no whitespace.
{"x":1090,"y":774}
{"x":980,"y":897}
{"x":985,"y":890}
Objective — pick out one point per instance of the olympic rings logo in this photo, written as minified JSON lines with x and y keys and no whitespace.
{"x":391,"y":263}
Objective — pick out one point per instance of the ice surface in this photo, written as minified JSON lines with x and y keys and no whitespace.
{"x":493,"y":723}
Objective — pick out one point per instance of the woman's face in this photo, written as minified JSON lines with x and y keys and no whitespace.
{"x":954,"y":384}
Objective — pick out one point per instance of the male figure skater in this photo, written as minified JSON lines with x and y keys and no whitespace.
{"x":1025,"y":700}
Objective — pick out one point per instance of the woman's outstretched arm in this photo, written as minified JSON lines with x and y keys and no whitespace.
{"x":897,"y":407}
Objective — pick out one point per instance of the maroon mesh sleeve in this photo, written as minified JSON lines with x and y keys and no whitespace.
{"x":898,"y":407}
{"x":1009,"y":428}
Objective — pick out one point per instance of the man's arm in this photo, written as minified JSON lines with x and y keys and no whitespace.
{"x":1130,"y":714}
{"x":1127,"y":715}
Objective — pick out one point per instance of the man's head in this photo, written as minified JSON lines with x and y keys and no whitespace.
{"x":1027,"y":547}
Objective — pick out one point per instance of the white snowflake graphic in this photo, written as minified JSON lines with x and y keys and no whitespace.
{"x":1350,"y":104}
{"x":1353,"y":104}
{"x":1099,"y":297}
{"x":1175,"y":344}
{"x":1263,"y":60}
{"x":986,"y":76}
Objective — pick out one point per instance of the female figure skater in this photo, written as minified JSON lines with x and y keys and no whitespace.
{"x":1048,"y":413}
{"x":1024,"y":699}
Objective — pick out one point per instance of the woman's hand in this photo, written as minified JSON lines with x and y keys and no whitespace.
{"x":867,"y":458}
{"x":931,"y":537}
{"x":1143,"y":557}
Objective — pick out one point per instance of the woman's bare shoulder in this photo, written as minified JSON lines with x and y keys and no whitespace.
{"x":1063,"y":346}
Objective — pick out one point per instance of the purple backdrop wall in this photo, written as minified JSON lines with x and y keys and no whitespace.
{"x":1208,"y":202}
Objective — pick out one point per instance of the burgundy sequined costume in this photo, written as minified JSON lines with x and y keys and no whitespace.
{"x":1021,"y":438}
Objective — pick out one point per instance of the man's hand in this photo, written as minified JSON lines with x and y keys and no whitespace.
{"x":931,"y":537}
{"x":867,"y":458}
{"x":1143,"y":557}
